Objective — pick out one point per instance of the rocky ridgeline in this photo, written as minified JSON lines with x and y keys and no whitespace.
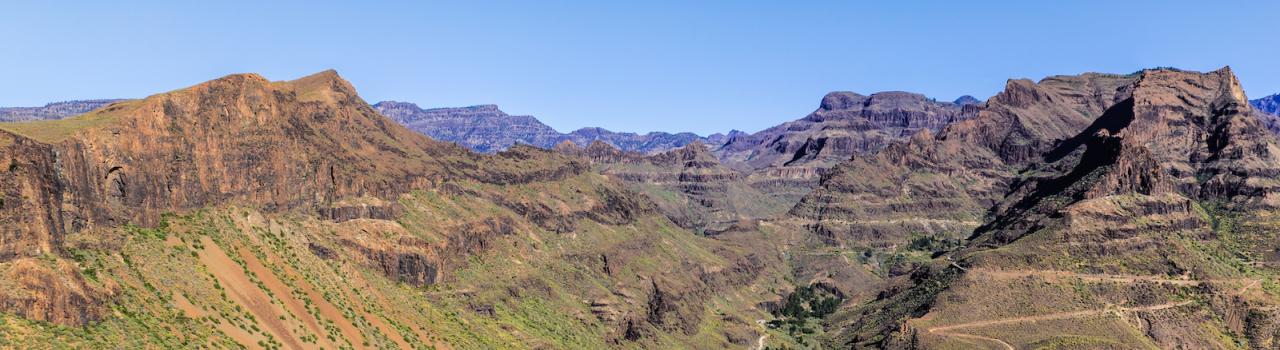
{"x":56,"y":110}
{"x":487,"y":129}
{"x":1269,"y":105}
{"x":787,"y":160}
{"x":943,"y":183}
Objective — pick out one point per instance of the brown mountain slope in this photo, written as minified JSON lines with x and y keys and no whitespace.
{"x":1149,"y":228}
{"x":147,"y":207}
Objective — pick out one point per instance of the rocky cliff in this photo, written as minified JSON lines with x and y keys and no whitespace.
{"x":487,"y":129}
{"x":787,"y":160}
{"x":1129,"y":209}
{"x":944,"y":182}
{"x":55,"y":110}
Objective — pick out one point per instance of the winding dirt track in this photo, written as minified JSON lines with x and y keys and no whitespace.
{"x":760,"y":341}
{"x":950,"y":330}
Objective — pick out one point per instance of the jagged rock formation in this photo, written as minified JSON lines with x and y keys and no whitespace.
{"x":55,"y":110}
{"x":487,"y":129}
{"x":1130,"y":208}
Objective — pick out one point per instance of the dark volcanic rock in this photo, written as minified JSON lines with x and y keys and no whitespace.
{"x":56,"y":110}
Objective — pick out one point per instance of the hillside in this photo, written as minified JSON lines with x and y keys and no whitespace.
{"x":244,"y":212}
{"x":688,"y":184}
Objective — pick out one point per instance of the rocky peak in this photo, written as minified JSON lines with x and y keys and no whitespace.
{"x":841,"y":100}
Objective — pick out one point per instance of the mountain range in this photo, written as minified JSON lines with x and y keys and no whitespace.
{"x":487,"y":129}
{"x":1077,"y":211}
{"x":55,"y":110}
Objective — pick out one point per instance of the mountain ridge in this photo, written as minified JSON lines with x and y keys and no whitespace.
{"x":487,"y":129}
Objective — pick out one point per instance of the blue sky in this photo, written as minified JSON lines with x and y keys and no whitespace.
{"x":629,"y":66}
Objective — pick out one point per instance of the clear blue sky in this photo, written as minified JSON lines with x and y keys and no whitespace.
{"x":629,"y":66}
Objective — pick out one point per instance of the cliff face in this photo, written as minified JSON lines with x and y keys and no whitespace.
{"x":1131,"y":208}
{"x":487,"y":129}
{"x":787,"y":160}
{"x":944,"y":183}
{"x":279,"y":146}
{"x":56,"y":110}
{"x":482,"y":128}
{"x":846,"y":123}
{"x":299,"y":144}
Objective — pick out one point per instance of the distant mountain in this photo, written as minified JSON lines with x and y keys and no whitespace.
{"x":1269,"y":105}
{"x":788,"y":159}
{"x":966,"y":100}
{"x":56,"y":110}
{"x":485,"y":128}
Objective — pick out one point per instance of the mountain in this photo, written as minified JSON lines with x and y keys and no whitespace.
{"x":942,"y":183}
{"x":1269,"y":105}
{"x":1150,"y":225}
{"x":242,"y":212}
{"x":787,"y":160}
{"x":56,"y":110}
{"x":487,"y":129}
